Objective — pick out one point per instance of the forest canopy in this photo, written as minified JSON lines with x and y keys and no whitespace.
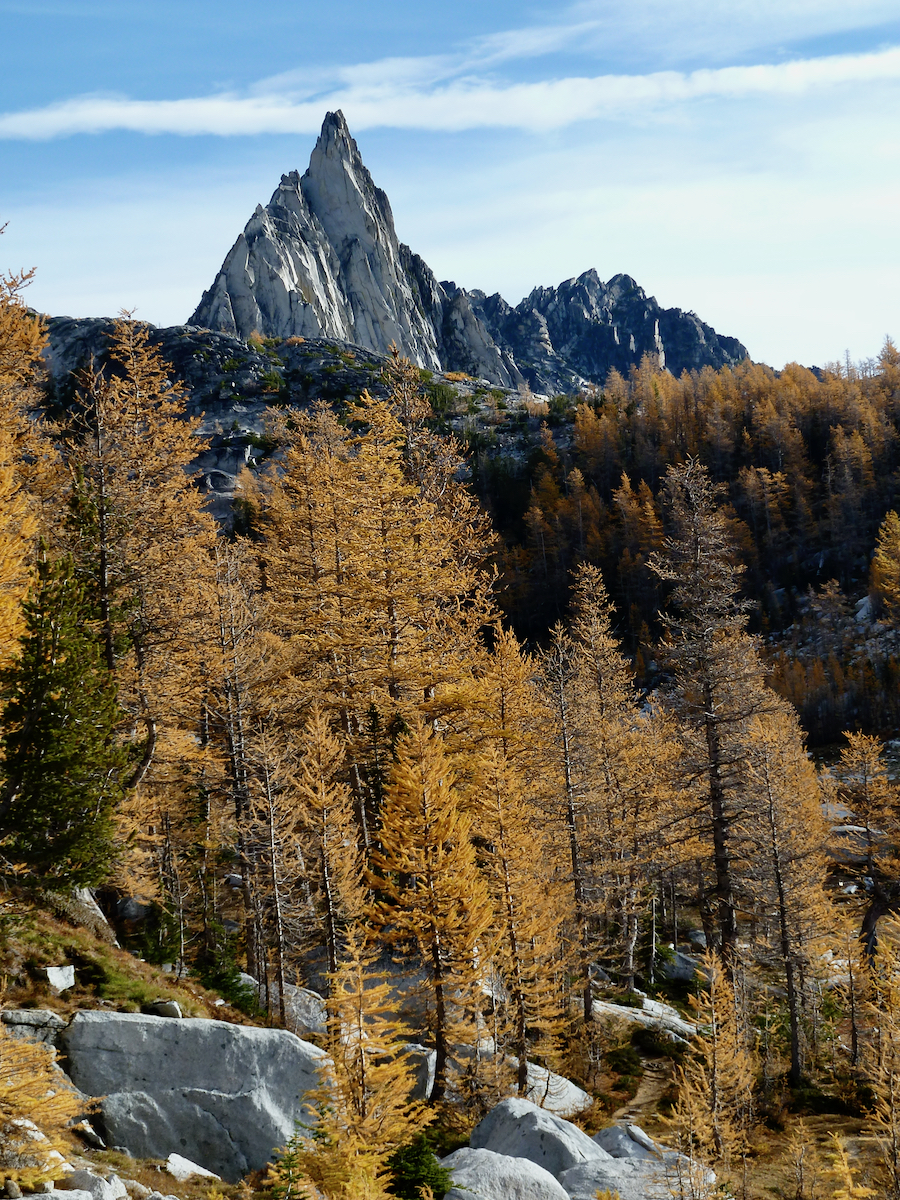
{"x":525,"y":758}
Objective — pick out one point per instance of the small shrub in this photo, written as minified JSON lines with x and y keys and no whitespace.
{"x":271,"y":381}
{"x":231,"y":364}
{"x":443,"y":398}
{"x":415,"y":1167}
{"x":266,"y":442}
{"x":624,"y":1060}
{"x":654,"y":1041}
{"x":295,"y":341}
{"x":456,"y":376}
{"x":812,"y":1099}
{"x":536,"y":408}
{"x":219,"y":971}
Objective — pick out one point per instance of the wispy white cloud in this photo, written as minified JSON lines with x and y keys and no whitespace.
{"x":395,"y":94}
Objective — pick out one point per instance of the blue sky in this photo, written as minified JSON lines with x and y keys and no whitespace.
{"x":739,"y":158}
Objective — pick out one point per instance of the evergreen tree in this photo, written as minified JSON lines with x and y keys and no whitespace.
{"x":712,"y":1118}
{"x":24,"y":453}
{"x":717,"y":685}
{"x":62,"y":769}
{"x":434,"y":898}
{"x":505,"y":721}
{"x":872,"y":796}
{"x":363,"y":1106}
{"x":632,"y":757}
{"x":139,"y":537}
{"x":790,"y":863}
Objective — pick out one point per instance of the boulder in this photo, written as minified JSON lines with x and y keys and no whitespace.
{"x":630,"y":1180}
{"x":480,"y":1174}
{"x":221,"y":1095}
{"x":682,"y":968}
{"x":181,"y":1168}
{"x":652,"y":1015}
{"x":59,"y":978}
{"x":554,"y":1093}
{"x":24,"y":1146}
{"x":137,"y":1190}
{"x":164,"y":1008}
{"x":522,"y":1130}
{"x":304,"y":1009}
{"x":97,"y":1188}
{"x":33,"y":1024}
{"x":422,"y":1060}
{"x":617,"y":1141}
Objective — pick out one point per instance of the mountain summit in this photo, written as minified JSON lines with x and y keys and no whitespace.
{"x":322,"y":259}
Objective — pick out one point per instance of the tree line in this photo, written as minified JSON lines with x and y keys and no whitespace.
{"x":321,"y":750}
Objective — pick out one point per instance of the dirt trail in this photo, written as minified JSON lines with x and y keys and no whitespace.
{"x":653,"y":1083}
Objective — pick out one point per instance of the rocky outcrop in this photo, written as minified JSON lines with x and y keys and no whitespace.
{"x":653,"y":1014}
{"x":563,"y":1161}
{"x":222,"y":1095}
{"x":564,"y":337}
{"x":322,"y":260}
{"x":522,"y":1130}
{"x":485,"y":1175}
{"x":33,"y":1024}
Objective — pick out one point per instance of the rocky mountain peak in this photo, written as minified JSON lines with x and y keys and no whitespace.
{"x":322,"y":260}
{"x":340,"y":191}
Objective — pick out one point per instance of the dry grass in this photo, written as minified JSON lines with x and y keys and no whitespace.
{"x":105,"y":976}
{"x":152,"y":1174}
{"x":536,"y":408}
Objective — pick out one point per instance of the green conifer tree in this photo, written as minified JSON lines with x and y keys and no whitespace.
{"x":62,"y":770}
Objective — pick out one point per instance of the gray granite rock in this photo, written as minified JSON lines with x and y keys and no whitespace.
{"x":94,"y":1185}
{"x":221,"y":1095}
{"x":480,"y":1174}
{"x":631,"y":1180}
{"x":33,"y":1024}
{"x":560,"y":337}
{"x":522,"y":1130}
{"x":322,"y":260}
{"x":617,"y":1141}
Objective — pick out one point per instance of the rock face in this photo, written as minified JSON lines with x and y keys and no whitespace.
{"x":33,"y":1024}
{"x":322,"y":260}
{"x":653,"y":1014}
{"x":222,"y":1095}
{"x":561,"y":337}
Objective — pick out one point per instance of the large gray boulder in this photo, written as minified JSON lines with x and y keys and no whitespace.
{"x":483,"y":1175}
{"x":554,"y":1093}
{"x":630,"y":1179}
{"x":522,"y":1130}
{"x":652,"y":1014}
{"x":33,"y":1024}
{"x":619,"y":1141}
{"x":222,"y":1095}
